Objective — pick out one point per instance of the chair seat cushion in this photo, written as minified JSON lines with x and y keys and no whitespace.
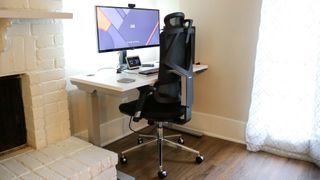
{"x":153,"y":110}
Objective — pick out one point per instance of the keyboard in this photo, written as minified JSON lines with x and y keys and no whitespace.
{"x":149,"y":71}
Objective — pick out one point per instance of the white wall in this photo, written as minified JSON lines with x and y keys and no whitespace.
{"x":82,"y":56}
{"x":226,"y":38}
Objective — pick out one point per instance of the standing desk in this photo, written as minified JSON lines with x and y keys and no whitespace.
{"x":106,"y":82}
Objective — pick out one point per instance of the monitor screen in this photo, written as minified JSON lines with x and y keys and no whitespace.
{"x":122,"y":28}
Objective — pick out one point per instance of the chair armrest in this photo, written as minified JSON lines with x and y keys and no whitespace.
{"x":144,"y":91}
{"x":186,"y":83}
{"x":186,"y":94}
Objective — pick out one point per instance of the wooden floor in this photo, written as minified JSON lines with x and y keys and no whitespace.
{"x":223,"y":160}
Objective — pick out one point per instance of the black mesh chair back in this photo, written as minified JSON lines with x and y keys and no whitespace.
{"x":176,"y":53}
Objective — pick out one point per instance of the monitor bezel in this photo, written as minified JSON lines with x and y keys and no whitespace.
{"x":126,"y":48}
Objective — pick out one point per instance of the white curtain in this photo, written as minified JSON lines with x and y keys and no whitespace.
{"x":284,"y":116}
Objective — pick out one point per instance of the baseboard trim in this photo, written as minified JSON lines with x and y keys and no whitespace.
{"x":218,"y":126}
{"x":209,"y":124}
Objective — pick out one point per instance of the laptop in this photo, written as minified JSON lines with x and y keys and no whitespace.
{"x":135,"y":66}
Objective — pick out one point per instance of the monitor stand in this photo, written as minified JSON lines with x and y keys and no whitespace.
{"x":122,"y":61}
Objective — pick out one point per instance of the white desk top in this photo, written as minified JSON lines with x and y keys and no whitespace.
{"x":107,"y":79}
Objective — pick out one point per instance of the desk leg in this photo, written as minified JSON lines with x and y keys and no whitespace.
{"x":183,"y":129}
{"x":93,"y":118}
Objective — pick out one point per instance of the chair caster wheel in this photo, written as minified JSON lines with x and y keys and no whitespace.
{"x":199,"y":159}
{"x":162,"y":174}
{"x":140,"y":140}
{"x":180,"y":140}
{"x":123,"y":160}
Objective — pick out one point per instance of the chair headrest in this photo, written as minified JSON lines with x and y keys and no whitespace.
{"x":174,"y":20}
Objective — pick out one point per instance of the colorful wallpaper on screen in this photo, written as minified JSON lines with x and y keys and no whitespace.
{"x":124,"y":28}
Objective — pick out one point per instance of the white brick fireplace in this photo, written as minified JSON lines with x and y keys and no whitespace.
{"x":34,"y":49}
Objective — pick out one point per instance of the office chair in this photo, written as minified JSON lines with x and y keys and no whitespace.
{"x":170,"y":99}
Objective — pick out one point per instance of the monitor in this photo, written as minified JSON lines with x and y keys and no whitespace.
{"x":122,"y":28}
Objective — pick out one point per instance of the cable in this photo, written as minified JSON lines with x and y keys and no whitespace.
{"x":105,"y":68}
{"x":136,"y":132}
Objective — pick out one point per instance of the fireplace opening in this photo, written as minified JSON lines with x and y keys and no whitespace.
{"x":12,"y":121}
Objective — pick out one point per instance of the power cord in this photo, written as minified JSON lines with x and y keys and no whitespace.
{"x":121,"y":67}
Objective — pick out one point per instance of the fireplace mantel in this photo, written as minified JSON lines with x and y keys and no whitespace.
{"x":6,"y":16}
{"x":33,"y":14}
